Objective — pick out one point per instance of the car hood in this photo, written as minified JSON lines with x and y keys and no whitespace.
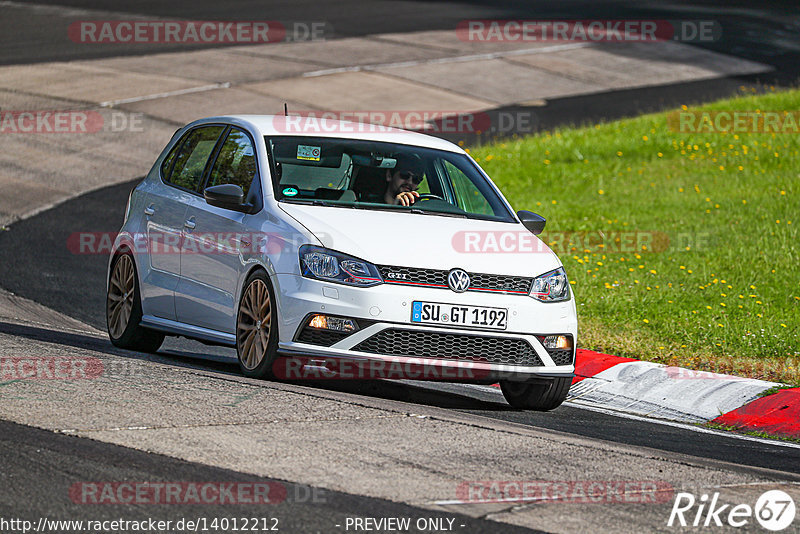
{"x":427,"y":241}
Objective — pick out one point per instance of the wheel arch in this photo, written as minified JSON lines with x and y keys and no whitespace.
{"x":267,"y":269}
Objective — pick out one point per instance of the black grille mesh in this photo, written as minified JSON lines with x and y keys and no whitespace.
{"x":561,"y":356}
{"x":438,"y":277}
{"x":398,"y":342}
{"x":326,"y":338}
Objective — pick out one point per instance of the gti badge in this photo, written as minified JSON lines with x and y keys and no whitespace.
{"x":458,"y":280}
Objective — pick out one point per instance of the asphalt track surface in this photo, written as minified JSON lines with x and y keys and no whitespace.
{"x":762,"y":31}
{"x":766,"y":32}
{"x":32,"y":455}
{"x":74,"y":284}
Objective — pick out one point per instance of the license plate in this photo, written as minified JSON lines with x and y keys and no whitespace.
{"x":459,"y":315}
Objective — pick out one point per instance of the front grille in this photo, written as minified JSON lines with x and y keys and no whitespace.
{"x":438,"y":278}
{"x":417,"y":343}
{"x":561,"y":356}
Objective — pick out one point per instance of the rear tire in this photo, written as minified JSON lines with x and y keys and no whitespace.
{"x":541,"y":395}
{"x":124,"y":309}
{"x":257,"y":327}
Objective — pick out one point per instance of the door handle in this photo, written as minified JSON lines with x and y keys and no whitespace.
{"x":149,"y":210}
{"x":190,"y":224}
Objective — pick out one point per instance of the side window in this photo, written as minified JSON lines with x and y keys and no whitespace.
{"x":236,"y":162}
{"x":166,"y":166}
{"x":191,"y":159}
{"x":468,"y":197}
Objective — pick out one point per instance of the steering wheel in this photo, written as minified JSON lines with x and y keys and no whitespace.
{"x":429,"y":196}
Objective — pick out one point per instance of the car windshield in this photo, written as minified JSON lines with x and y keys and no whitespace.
{"x":368,"y":175}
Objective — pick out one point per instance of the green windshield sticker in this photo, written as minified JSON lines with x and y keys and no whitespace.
{"x":289,"y":192}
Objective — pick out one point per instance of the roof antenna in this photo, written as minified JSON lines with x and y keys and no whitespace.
{"x":285,"y":110}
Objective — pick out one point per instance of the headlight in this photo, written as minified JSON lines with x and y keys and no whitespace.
{"x":329,"y":265}
{"x":551,"y":287}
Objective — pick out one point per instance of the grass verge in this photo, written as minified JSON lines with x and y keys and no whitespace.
{"x":681,"y":247}
{"x":756,"y":434}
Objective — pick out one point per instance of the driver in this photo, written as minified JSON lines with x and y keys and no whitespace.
{"x":403,"y":181}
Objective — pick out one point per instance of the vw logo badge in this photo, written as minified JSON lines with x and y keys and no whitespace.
{"x":458,"y":280}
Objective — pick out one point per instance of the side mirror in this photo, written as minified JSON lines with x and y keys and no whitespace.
{"x":532,"y":221}
{"x":228,"y":196}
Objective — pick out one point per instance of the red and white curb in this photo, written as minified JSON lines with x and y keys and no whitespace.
{"x":676,"y":394}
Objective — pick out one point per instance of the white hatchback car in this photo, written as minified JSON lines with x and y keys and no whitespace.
{"x":379,"y":247}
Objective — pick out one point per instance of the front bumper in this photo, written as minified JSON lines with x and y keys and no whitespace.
{"x":451,"y":353}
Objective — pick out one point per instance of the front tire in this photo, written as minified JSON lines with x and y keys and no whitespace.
{"x":539,"y":395}
{"x":257,"y":327}
{"x":124,"y":309}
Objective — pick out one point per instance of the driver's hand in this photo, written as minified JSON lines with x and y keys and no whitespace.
{"x":406,"y":198}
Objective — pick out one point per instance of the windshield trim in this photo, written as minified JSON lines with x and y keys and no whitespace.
{"x":498,"y":203}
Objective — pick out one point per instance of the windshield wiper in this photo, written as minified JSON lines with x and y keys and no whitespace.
{"x":315,"y":202}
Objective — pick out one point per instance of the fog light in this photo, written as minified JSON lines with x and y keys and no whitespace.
{"x":557,"y":342}
{"x":326,"y":322}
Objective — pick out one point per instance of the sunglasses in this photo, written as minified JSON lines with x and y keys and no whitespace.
{"x":407,"y":175}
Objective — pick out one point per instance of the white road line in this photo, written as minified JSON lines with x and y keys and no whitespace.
{"x":693,"y":428}
{"x":454,"y":59}
{"x":202,"y":88}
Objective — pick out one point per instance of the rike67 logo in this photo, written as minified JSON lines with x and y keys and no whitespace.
{"x":774,"y":510}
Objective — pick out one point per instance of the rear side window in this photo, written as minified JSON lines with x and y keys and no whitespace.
{"x":236,"y":162}
{"x":191,"y":159}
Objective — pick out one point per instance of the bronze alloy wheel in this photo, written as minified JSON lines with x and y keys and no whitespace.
{"x":124,"y":309}
{"x":256,"y":335}
{"x":119,"y":304}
